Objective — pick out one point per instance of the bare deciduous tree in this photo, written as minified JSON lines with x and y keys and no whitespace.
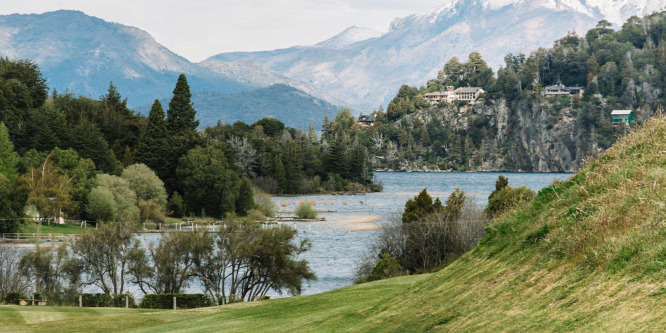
{"x":49,"y":268}
{"x":169,"y":267}
{"x":378,"y":141}
{"x":391,"y":152}
{"x":11,"y":279}
{"x":246,"y":156}
{"x":104,"y":254}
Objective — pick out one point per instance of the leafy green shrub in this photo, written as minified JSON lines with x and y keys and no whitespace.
{"x":504,"y":197}
{"x":100,"y":300}
{"x":13,"y":298}
{"x":385,"y":268}
{"x":119,"y":301}
{"x":265,"y":204}
{"x":255,"y":215}
{"x":183,"y":301}
{"x":305,"y":211}
{"x":233,"y":298}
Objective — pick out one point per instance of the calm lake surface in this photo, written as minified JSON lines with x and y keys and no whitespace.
{"x":352,"y":220}
{"x":336,"y":246}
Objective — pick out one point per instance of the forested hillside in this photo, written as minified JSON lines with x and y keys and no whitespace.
{"x":63,"y":155}
{"x":513,"y":126}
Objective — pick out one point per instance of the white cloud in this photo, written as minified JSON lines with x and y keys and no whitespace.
{"x":201,"y":28}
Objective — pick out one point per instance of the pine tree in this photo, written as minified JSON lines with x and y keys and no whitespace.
{"x":181,"y":114}
{"x":312,"y":135}
{"x":336,"y":158}
{"x":245,"y":200}
{"x":293,"y":167}
{"x":358,"y":162}
{"x":418,"y":207}
{"x":181,"y":127}
{"x":326,"y":128}
{"x":454,"y":205}
{"x":152,"y":148}
{"x":121,"y":127}
{"x":279,"y":173}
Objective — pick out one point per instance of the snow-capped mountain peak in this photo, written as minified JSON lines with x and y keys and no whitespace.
{"x":350,"y":36}
{"x":615,"y":11}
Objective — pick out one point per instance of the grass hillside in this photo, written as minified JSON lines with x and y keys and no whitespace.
{"x":586,"y":254}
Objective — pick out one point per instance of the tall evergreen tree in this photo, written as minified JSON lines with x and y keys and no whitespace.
{"x":245,"y":200}
{"x":121,"y":127}
{"x":293,"y":167}
{"x":336,"y":159}
{"x":181,"y":114}
{"x":279,"y":173}
{"x":153,"y":146}
{"x":181,"y":127}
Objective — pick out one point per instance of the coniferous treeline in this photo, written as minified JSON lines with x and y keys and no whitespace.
{"x":291,"y":161}
{"x":621,"y":69}
{"x":73,"y":156}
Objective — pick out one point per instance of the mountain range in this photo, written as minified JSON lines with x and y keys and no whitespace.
{"x":368,"y":72}
{"x":82,"y":54}
{"x":359,"y":67}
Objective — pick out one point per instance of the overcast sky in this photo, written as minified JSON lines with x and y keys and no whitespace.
{"x":197,"y":29}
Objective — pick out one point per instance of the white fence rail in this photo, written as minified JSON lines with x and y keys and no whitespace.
{"x":34,"y":237}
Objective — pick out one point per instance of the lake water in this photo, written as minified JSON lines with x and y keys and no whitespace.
{"x":336,"y":247}
{"x":340,"y":241}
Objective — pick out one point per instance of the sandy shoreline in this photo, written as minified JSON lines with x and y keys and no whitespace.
{"x":356,"y":222}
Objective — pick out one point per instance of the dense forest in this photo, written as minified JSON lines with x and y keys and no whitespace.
{"x":80,"y":158}
{"x":513,"y":126}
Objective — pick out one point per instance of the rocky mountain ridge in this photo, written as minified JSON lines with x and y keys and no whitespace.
{"x":81,"y":54}
{"x":368,"y":73}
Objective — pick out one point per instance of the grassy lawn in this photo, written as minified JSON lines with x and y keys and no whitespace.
{"x":333,"y":310}
{"x":30,"y":318}
{"x":44,"y":229}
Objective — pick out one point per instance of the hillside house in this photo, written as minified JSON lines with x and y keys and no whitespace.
{"x":366,"y":120}
{"x":561,"y":90}
{"x":621,"y":117}
{"x":469,"y":94}
{"x":445,"y":95}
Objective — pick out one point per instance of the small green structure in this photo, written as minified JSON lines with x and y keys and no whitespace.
{"x":621,"y":117}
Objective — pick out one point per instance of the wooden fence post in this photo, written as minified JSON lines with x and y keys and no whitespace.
{"x":80,"y":300}
{"x":126,"y":302}
{"x":174,"y":302}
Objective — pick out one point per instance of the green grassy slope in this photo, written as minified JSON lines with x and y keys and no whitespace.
{"x":587,"y":254}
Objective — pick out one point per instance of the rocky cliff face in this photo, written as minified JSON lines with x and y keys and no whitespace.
{"x":530,"y":135}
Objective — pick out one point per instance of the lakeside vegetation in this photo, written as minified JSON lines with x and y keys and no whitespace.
{"x":78,"y":158}
{"x":585,"y":254}
{"x":64,"y":157}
